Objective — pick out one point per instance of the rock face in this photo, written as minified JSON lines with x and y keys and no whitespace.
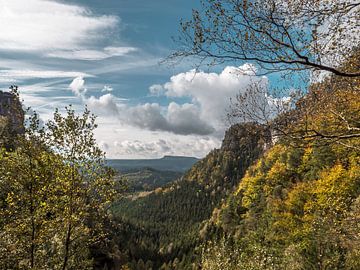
{"x":223,"y":168}
{"x":246,"y":137}
{"x":10,"y":107}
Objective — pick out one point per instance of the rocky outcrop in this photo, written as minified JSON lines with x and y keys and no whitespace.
{"x":11,"y":108}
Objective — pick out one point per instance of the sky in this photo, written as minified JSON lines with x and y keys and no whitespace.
{"x":106,"y":54}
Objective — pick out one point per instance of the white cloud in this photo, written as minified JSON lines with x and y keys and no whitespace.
{"x":107,"y":88}
{"x":129,"y":142}
{"x":211,"y":92}
{"x":156,"y":90}
{"x":104,"y":105}
{"x":42,"y":25}
{"x":179,"y":119}
{"x":92,"y":54}
{"x":78,"y":86}
{"x":152,"y":130}
{"x":119,"y":51}
{"x":13,"y":74}
{"x":156,"y":148}
{"x":145,"y":148}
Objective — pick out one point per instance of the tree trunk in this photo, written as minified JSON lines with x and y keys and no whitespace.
{"x":67,"y":247}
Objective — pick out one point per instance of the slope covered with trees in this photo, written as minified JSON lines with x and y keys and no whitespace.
{"x":168,"y":220}
{"x":253,"y":205}
{"x":298,"y":206}
{"x":147,"y":179}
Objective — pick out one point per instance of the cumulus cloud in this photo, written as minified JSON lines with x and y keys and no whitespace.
{"x":179,"y":119}
{"x":176,"y":118}
{"x":78,"y":86}
{"x":210,"y":95}
{"x":105,"y":104}
{"x":185,"y":119}
{"x":211,"y":92}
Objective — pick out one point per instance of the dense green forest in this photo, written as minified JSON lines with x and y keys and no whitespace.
{"x":171,"y":217}
{"x":146,"y":179}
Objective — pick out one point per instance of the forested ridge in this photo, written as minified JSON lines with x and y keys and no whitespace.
{"x":297,"y":207}
{"x":171,"y":217}
{"x":263,"y":202}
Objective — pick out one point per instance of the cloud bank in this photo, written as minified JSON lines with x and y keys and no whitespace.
{"x":209,"y":95}
{"x":175,"y":118}
{"x":189,"y":146}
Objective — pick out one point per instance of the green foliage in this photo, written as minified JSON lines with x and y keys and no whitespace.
{"x":164,"y":225}
{"x":55,"y":191}
{"x":148,"y":179}
{"x":297,"y":206}
{"x":294,"y":211}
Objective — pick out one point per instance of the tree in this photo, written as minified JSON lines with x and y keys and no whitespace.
{"x":6,"y":136}
{"x":327,"y":113}
{"x":55,"y":191}
{"x":28,"y":176}
{"x":287,"y":36}
{"x":87,"y":188}
{"x":277,"y":35}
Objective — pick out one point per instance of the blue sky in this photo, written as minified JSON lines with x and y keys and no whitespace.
{"x":105,"y":54}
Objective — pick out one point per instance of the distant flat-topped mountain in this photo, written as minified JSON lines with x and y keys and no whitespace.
{"x":166,"y":163}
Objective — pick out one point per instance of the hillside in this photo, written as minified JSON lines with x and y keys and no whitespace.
{"x":148,"y":179}
{"x":170,"y":218}
{"x":297,"y":207}
{"x":253,"y":205}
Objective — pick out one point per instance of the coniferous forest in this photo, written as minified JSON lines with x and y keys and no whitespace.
{"x":281,"y":192}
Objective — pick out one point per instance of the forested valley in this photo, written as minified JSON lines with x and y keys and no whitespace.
{"x":282,"y":191}
{"x":255,"y":203}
